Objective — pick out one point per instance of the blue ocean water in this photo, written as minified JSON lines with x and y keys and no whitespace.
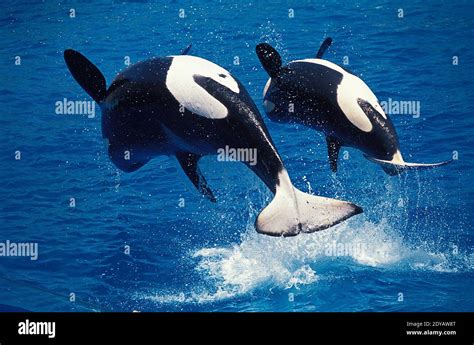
{"x":411,"y":250}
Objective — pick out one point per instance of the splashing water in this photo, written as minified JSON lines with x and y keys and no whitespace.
{"x":260,"y":262}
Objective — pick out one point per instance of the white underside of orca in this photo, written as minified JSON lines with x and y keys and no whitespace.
{"x":269,"y":106}
{"x":267,"y":85}
{"x":397,"y":165}
{"x":349,"y":90}
{"x":180,"y":82}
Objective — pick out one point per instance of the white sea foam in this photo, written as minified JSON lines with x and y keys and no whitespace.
{"x":260,"y":261}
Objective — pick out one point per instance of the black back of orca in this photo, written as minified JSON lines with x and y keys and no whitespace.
{"x":311,"y":90}
{"x":140,"y":115}
{"x":129,"y":122}
{"x":307,"y":92}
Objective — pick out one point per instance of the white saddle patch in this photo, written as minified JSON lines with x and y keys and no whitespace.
{"x":181,"y":84}
{"x":349,"y":90}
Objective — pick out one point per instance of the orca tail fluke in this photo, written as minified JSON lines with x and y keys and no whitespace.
{"x":86,"y":74}
{"x":396,"y":168}
{"x":292,"y":212}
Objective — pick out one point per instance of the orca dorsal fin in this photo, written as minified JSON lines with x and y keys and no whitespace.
{"x":324,"y":46}
{"x":334,"y":145}
{"x":86,"y":74}
{"x":186,"y":50}
{"x":269,"y":58}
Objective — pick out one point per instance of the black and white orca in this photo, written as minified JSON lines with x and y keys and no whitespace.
{"x":322,"y":95}
{"x":189,"y":107}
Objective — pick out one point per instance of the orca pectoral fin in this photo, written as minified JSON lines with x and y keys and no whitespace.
{"x":189,"y":163}
{"x":269,"y":58}
{"x":186,"y":50}
{"x":334,"y":145}
{"x":397,"y":168}
{"x":324,"y":46}
{"x":86,"y":74}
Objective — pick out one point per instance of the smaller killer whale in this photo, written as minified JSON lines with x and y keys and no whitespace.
{"x":322,"y":95}
{"x":189,"y":107}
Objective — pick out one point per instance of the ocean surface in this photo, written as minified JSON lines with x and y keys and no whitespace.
{"x":147,"y":241}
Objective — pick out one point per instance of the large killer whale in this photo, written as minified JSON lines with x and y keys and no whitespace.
{"x":322,"y":95}
{"x":189,"y":107}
